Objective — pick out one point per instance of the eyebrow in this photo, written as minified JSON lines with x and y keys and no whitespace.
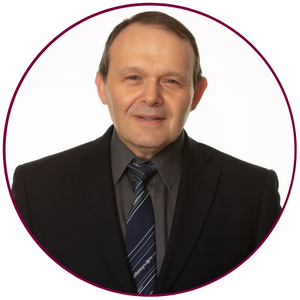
{"x":131,"y":69}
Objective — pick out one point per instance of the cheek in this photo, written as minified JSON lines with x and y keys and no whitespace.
{"x":119,"y":102}
{"x":181,"y":111}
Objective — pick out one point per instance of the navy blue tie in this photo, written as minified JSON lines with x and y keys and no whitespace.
{"x":140,"y":231}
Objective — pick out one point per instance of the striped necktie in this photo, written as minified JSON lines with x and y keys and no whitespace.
{"x":140,"y":231}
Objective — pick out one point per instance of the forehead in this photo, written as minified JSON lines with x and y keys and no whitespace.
{"x":138,"y":41}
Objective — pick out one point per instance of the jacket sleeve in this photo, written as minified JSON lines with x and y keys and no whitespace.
{"x":270,"y":208}
{"x":20,"y":196}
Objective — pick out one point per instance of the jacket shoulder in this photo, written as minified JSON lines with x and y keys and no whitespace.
{"x":61,"y":159}
{"x":65,"y":159}
{"x":223,"y":160}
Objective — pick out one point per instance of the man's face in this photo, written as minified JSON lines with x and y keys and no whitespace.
{"x":149,"y":89}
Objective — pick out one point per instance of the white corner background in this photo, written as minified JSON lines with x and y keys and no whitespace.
{"x":59,"y":90}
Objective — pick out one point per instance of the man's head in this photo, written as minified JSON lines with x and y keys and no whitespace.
{"x":150,"y":78}
{"x":162,"y":21}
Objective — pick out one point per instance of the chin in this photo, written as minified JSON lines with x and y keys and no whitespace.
{"x":149,"y":142}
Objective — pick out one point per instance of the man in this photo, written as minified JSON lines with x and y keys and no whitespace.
{"x":199,"y":212}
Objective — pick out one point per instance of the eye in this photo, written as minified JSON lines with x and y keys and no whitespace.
{"x":171,"y":81}
{"x":133,"y":77}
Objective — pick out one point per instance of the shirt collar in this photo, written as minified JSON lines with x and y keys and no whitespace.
{"x":168,"y":161}
{"x":121,"y":156}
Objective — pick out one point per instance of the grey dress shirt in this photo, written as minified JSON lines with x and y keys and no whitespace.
{"x":163,"y":187}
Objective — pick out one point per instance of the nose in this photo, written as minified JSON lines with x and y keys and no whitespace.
{"x":151,"y":93}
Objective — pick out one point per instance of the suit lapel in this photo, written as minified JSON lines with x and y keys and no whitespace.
{"x":95,"y":185}
{"x":195,"y":195}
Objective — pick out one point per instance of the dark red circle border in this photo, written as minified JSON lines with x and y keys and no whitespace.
{"x":137,"y":5}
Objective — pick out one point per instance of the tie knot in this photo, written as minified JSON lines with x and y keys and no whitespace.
{"x":142,"y":172}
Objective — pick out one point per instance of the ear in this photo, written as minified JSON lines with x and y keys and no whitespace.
{"x":101,"y":88}
{"x":201,"y":86}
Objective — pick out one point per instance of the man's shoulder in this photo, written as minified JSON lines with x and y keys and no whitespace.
{"x":53,"y":166}
{"x":62,"y":157}
{"x":235,"y":173}
{"x":222,"y":160}
{"x":66,"y":159}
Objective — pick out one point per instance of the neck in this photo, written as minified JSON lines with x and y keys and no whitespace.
{"x":143,"y":152}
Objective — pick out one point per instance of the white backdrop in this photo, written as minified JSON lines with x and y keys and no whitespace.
{"x":243,"y":112}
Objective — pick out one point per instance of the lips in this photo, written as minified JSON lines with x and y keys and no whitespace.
{"x":149,"y":119}
{"x":146,"y":118}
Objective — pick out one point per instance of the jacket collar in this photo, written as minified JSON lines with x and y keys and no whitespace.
{"x":93,"y":178}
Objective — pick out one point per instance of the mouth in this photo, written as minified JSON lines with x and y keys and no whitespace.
{"x":149,"y":119}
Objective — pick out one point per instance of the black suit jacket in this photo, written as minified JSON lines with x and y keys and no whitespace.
{"x":224,"y":210}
